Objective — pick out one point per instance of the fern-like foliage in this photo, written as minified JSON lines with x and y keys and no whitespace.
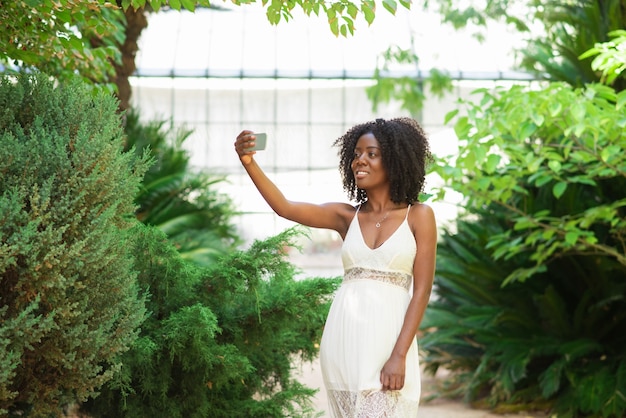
{"x":554,"y":342}
{"x":183,"y":203}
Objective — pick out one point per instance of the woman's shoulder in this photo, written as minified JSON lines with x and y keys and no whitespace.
{"x":421,"y":209}
{"x":345,"y":211}
{"x":421,"y":215}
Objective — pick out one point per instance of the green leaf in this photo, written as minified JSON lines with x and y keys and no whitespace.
{"x":577,"y":111}
{"x":462,"y":127}
{"x":450,"y":115}
{"x":391,"y":6}
{"x":548,"y":234}
{"x":483,"y":183}
{"x":352,"y":10}
{"x":492,"y":162}
{"x":559,"y":188}
{"x":571,"y":237}
{"x":527,"y":130}
{"x":583,"y":347}
{"x":610,"y":151}
{"x":554,"y":165}
{"x":555,"y":108}
{"x":514,"y":367}
{"x":533,"y":162}
{"x":542,"y":180}
{"x":583,"y":180}
{"x":537,"y":118}
{"x":367,"y":7}
{"x":524,"y":223}
{"x":621,"y":99}
{"x":550,"y":379}
{"x":189,"y":4}
{"x":155,"y":4}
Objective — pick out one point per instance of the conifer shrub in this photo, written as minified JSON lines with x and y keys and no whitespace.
{"x":69,"y":300}
{"x":220,"y":341}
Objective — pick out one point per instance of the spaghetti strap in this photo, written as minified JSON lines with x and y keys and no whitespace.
{"x":407,"y":212}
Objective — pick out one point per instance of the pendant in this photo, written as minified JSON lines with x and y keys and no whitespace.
{"x":377,"y":224}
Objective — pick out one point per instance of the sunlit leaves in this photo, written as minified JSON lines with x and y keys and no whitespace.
{"x":390,"y":5}
{"x":55,"y":36}
{"x":556,"y":138}
{"x":609,"y":57}
{"x":368,"y":8}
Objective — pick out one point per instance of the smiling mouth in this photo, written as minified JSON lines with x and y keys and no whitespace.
{"x":360,"y":174}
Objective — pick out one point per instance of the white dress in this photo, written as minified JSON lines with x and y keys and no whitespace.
{"x":363,"y":325}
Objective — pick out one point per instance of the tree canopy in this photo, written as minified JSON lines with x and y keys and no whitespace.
{"x":69,"y":37}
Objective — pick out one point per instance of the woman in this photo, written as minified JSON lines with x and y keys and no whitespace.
{"x":368,"y":352}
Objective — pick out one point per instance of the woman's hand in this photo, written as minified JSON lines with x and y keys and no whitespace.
{"x":244,"y":141}
{"x":392,"y":373}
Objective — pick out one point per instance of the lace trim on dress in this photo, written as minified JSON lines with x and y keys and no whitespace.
{"x":371,"y":404}
{"x":395,"y":278}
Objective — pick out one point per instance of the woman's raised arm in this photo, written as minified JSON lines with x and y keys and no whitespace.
{"x":335,"y":215}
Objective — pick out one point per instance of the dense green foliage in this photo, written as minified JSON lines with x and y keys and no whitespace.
{"x":554,"y":342}
{"x":531,"y":288}
{"x":181,"y":202}
{"x":609,"y":58}
{"x":219,"y":341}
{"x":225,"y":326}
{"x":571,"y":29}
{"x":69,"y":302}
{"x":215,"y":341}
{"x":566,"y":142}
{"x":53,"y":36}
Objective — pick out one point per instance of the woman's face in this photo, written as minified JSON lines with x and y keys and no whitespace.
{"x":367,"y":165}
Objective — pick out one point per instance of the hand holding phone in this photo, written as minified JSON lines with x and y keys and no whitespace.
{"x":259,"y":142}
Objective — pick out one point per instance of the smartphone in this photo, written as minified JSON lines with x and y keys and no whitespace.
{"x":259,"y":142}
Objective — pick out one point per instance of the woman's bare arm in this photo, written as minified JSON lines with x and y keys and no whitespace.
{"x":335,"y":216}
{"x":422,"y":221}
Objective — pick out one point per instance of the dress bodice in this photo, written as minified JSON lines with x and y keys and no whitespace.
{"x":395,"y":255}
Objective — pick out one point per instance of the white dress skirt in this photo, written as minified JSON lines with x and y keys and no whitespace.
{"x":363,"y":325}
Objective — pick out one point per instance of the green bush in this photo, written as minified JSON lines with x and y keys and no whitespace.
{"x":225,"y":326}
{"x":69,"y":301}
{"x":532,"y":285}
{"x":219,"y":341}
{"x":555,"y":341}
